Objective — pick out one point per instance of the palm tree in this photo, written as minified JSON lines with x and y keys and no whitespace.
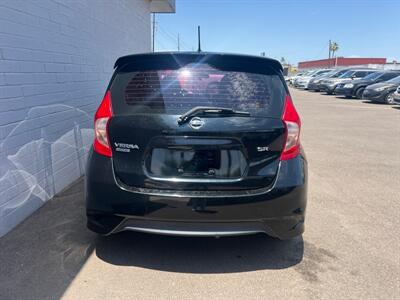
{"x":334,"y":48}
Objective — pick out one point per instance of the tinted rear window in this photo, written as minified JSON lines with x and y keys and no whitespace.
{"x":175,"y":91}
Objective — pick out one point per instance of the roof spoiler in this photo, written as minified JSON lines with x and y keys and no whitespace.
{"x":201,"y":56}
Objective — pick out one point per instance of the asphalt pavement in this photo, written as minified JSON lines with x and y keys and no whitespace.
{"x":350,"y":249}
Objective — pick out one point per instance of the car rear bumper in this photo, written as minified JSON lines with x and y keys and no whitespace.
{"x":278,"y":210}
{"x":194,"y":228}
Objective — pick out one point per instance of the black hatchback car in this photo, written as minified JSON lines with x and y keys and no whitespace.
{"x":197,"y":144}
{"x":356,"y":88}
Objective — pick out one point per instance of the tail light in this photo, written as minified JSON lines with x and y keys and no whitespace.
{"x":103,"y":114}
{"x":292,"y":123}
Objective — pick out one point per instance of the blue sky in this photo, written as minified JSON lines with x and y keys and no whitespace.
{"x":297,"y":30}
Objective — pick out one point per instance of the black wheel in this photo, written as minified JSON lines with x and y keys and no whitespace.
{"x":359,"y":93}
{"x":389,"y":99}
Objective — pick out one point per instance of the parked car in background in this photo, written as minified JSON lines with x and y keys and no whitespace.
{"x":330,"y":84}
{"x":292,"y":78}
{"x":383,"y":92}
{"x":314,"y":83}
{"x":396,"y":95}
{"x":302,"y":81}
{"x":355,"y":88}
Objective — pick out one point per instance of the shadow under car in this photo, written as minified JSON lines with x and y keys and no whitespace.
{"x":199,"y":255}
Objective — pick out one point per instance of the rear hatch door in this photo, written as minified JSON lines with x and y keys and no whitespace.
{"x":211,"y":150}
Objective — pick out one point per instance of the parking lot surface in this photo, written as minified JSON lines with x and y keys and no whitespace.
{"x":350,"y":248}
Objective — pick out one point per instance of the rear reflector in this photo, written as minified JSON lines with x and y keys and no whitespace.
{"x":292,"y":122}
{"x":103,"y":114}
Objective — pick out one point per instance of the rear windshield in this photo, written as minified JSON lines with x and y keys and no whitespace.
{"x":175,"y":91}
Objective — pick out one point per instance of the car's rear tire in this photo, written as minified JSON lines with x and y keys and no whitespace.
{"x":359,"y":93}
{"x":389,"y":99}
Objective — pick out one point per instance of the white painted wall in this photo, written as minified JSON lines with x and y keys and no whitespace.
{"x":56,"y":58}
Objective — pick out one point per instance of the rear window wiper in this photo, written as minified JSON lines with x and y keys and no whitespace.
{"x":203,"y":110}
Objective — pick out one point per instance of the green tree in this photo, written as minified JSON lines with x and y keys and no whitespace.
{"x":334,"y":48}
